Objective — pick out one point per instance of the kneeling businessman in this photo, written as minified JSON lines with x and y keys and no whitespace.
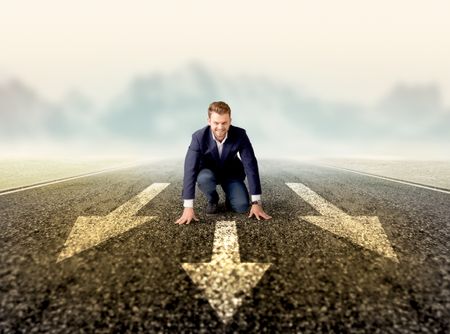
{"x":212,"y":159}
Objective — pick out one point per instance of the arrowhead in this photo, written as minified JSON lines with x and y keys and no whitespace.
{"x":362,"y":230}
{"x":226,"y":283}
{"x":88,"y":232}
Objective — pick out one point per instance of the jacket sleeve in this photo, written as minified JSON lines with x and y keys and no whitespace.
{"x":250,"y":165}
{"x":191,"y":166}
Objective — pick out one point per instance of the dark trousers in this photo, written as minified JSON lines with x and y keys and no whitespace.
{"x":235,"y":190}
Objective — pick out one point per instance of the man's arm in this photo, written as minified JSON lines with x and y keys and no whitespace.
{"x":251,"y":171}
{"x":191,"y":164}
{"x":250,"y":165}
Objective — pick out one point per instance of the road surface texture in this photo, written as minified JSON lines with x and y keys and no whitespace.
{"x":344,"y":252}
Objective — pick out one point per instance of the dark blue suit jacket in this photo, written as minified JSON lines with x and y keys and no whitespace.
{"x":203,"y":153}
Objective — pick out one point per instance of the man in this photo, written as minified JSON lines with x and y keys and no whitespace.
{"x":212,"y":159}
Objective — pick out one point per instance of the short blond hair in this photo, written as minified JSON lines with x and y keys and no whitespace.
{"x":219,"y":107}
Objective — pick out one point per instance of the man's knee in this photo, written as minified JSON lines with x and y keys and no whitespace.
{"x":206,"y":176}
{"x":240,"y":206}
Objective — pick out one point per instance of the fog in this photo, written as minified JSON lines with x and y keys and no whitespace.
{"x":155,"y":114}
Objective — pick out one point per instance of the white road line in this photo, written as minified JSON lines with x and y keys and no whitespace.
{"x":324,"y":207}
{"x":390,"y":179}
{"x":225,"y":280}
{"x":362,"y":230}
{"x":46,"y":183}
{"x":225,"y":246}
{"x":90,"y":231}
{"x":130,"y":208}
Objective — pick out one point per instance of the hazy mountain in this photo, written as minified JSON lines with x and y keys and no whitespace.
{"x":413,"y":111}
{"x":159,"y":111}
{"x":158,"y":106}
{"x":75,"y":116}
{"x":27,"y":118}
{"x":22,"y":110}
{"x":168,"y":108}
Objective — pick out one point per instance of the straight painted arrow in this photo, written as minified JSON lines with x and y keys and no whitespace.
{"x":225,"y":280}
{"x":90,"y":231}
{"x":365,"y":231}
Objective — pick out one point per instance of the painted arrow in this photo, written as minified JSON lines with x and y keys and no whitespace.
{"x":225,"y":280}
{"x":365,"y":231}
{"x":90,"y":231}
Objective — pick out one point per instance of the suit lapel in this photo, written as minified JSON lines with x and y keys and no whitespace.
{"x":227,"y":145}
{"x":212,"y":146}
{"x":226,"y":149}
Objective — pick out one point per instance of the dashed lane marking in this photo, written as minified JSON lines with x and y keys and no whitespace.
{"x":365,"y":231}
{"x":226,"y":280}
{"x":90,"y":231}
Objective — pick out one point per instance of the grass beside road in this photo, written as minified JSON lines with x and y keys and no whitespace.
{"x":426,"y":172}
{"x":16,"y":173}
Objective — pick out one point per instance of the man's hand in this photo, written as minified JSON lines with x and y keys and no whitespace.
{"x":258,"y":211}
{"x":187,"y":216}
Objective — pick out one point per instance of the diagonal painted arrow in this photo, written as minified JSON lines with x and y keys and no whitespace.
{"x":90,"y":231}
{"x":365,"y":231}
{"x":226,"y":280}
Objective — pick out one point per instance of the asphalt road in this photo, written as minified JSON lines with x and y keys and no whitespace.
{"x":134,"y":282}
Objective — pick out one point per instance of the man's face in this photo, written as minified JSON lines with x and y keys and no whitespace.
{"x":219,"y":124}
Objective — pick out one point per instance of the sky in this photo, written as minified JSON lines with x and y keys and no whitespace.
{"x":341,"y":77}
{"x":347,"y":50}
